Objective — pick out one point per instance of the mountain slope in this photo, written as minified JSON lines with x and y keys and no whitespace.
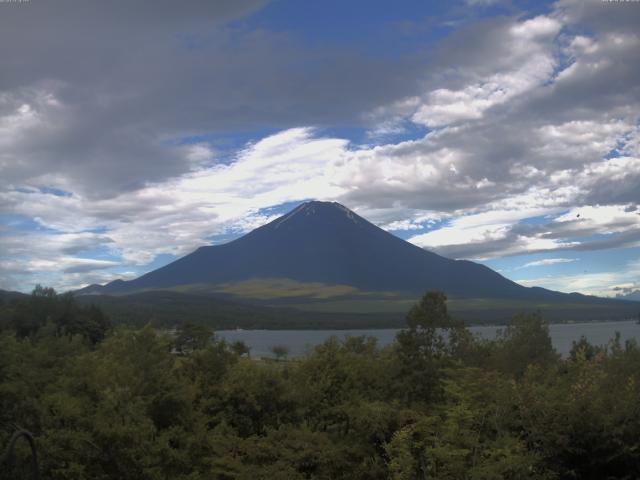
{"x":328,"y":243}
{"x":6,"y":295}
{"x":633,"y":296}
{"x":167,"y":308}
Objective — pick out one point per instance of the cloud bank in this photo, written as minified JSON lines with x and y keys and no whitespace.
{"x":517,"y":134}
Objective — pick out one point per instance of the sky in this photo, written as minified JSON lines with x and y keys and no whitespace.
{"x":505,"y":132}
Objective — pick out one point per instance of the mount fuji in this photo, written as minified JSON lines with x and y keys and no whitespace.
{"x":325,"y":243}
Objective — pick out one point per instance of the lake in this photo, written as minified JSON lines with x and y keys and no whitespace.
{"x":299,"y":341}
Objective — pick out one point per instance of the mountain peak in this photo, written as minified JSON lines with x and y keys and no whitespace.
{"x":317,"y":210}
{"x":318,"y":206}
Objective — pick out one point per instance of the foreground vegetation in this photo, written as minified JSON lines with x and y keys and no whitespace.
{"x":125,"y":403}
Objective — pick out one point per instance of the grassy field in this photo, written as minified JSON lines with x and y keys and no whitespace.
{"x":274,"y":289}
{"x":266,"y":289}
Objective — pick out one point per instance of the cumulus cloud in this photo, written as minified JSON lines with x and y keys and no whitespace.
{"x":529,"y":64}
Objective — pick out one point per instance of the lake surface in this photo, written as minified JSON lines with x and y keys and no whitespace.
{"x":300,"y":341}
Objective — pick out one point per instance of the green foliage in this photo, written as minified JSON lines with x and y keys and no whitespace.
{"x":191,"y":337}
{"x":26,"y":315}
{"x":438,"y":403}
{"x":469,"y":435}
{"x":421,"y":348}
{"x":280,"y":351}
{"x":525,"y":342}
{"x":583,"y":350}
{"x":240,"y":348}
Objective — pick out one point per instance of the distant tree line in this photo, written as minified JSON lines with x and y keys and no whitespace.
{"x":438,"y":403}
{"x":27,"y":315}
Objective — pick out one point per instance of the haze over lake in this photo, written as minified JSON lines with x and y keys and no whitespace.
{"x":299,"y":341}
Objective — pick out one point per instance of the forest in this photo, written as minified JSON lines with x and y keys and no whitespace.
{"x":106,"y":401}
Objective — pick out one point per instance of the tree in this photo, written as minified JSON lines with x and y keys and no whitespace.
{"x":280,"y":351}
{"x":254,"y":397}
{"x":525,"y":341}
{"x":192,"y":336}
{"x":72,"y":319}
{"x":582,"y":349}
{"x":429,"y":313}
{"x":240,"y":348}
{"x":421,"y":346}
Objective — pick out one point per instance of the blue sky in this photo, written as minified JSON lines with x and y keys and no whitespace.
{"x":504,"y":132}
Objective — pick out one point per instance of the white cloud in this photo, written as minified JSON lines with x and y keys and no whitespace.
{"x":492,"y":226}
{"x":402,"y":225}
{"x":603,"y":219}
{"x":549,"y":261}
{"x":603,"y":284}
{"x":578,"y":141}
{"x":59,"y":264}
{"x":536,"y":28}
{"x":586,"y":283}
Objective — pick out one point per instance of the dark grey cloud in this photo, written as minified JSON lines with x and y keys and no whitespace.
{"x":621,"y":190}
{"x":601,"y":16}
{"x":85,"y":40}
{"x":112,"y":84}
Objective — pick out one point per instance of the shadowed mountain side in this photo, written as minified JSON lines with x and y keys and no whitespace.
{"x":6,"y":296}
{"x":328,"y":243}
{"x":167,"y":309}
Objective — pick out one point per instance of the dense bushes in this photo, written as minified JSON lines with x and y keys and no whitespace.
{"x":438,"y":403}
